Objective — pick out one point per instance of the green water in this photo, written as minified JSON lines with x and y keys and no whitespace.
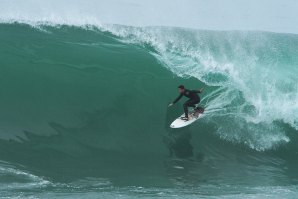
{"x":84,"y":113}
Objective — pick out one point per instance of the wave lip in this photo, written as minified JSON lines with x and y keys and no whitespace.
{"x":210,"y":15}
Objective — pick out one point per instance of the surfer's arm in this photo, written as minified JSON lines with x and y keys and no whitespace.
{"x":198,"y":91}
{"x":177,"y":99}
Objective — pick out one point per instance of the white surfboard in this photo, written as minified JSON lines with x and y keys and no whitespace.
{"x":192,"y":116}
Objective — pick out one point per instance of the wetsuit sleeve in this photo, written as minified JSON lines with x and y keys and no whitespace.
{"x":177,"y":99}
{"x":196,"y":91}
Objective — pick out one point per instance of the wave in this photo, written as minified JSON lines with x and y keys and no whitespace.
{"x":82,"y":100}
{"x":255,"y":73}
{"x":85,"y":108}
{"x":250,"y":76}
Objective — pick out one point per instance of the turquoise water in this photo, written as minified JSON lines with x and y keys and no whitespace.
{"x":84,"y":113}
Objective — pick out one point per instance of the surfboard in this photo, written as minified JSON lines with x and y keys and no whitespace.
{"x":193,"y":116}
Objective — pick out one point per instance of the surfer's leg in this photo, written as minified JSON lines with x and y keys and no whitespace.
{"x":185,"y":107}
{"x":194,"y":103}
{"x":188,"y":103}
{"x":197,"y":108}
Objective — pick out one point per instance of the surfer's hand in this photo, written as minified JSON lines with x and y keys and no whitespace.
{"x":201,"y":90}
{"x":170,"y":104}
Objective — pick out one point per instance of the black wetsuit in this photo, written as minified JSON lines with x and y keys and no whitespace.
{"x":193,"y":99}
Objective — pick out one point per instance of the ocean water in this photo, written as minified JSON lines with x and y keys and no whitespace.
{"x":84,"y":112}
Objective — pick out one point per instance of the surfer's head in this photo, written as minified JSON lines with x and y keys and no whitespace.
{"x":181,"y":89}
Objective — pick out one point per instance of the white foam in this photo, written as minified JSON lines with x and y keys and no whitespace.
{"x":22,"y":178}
{"x":257,"y":87}
{"x":202,"y":14}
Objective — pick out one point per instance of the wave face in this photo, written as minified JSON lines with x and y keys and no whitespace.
{"x":84,"y":110}
{"x":255,"y":74}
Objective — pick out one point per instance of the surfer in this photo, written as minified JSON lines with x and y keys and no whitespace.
{"x":193,"y":99}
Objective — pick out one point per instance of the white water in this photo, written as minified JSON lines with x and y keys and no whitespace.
{"x":265,"y":15}
{"x":255,"y":71}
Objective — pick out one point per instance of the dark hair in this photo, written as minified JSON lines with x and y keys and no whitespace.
{"x":181,"y":87}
